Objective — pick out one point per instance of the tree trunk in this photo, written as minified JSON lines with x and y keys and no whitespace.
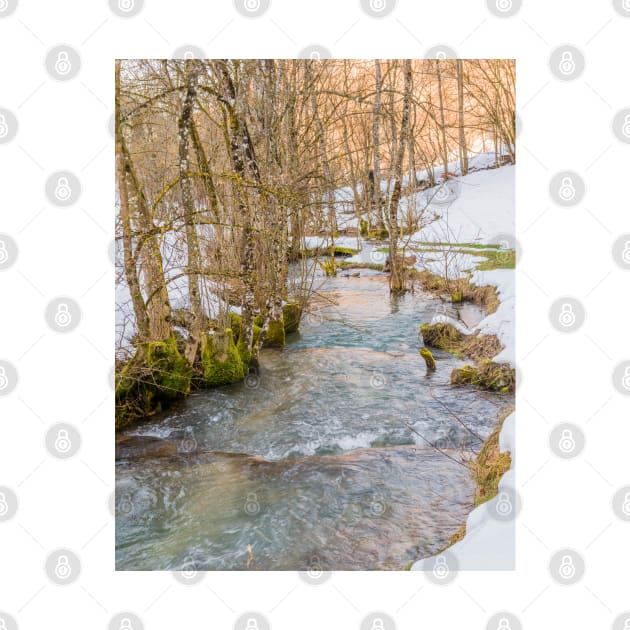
{"x":396,"y":280}
{"x":129,"y":260}
{"x":192,"y":239}
{"x":463,"y":151}
{"x":444,"y":148}
{"x":375,"y":184}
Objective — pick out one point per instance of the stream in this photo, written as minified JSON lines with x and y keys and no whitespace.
{"x":317,"y":459}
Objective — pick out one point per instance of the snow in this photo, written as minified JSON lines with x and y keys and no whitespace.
{"x":481,"y":208}
{"x":502,"y":322}
{"x":484,"y":210}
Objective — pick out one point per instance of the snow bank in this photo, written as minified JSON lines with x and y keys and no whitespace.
{"x":483,"y":208}
{"x":483,"y":211}
{"x":489,"y":543}
{"x":502,"y":322}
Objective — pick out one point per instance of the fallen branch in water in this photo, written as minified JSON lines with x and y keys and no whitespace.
{"x":437,"y":448}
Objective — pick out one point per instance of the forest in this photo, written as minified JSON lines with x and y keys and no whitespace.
{"x":234,"y":176}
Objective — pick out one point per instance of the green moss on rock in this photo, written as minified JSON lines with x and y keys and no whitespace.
{"x":156,"y":376}
{"x":275,"y":334}
{"x":495,"y":377}
{"x":291,"y":314}
{"x":426,"y":354}
{"x":221,"y":360}
{"x":441,"y":335}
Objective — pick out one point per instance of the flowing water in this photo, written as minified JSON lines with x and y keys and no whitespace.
{"x":319,"y":459}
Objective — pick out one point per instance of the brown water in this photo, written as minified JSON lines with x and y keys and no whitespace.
{"x":311,"y":461}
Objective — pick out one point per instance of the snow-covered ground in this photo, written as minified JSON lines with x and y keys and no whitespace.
{"x":482,"y":212}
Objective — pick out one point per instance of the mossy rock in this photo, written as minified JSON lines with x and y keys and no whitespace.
{"x":235,"y":324}
{"x":426,"y":354}
{"x":291,"y":315}
{"x":464,"y":376}
{"x":494,"y":377}
{"x":221,"y":360}
{"x":275,"y":337}
{"x":156,"y":376}
{"x":443,"y":336}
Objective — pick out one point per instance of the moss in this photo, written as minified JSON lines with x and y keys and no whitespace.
{"x":275,"y":334}
{"x":329,"y":267}
{"x":221,"y":360}
{"x":486,"y":469}
{"x":155,"y":377}
{"x":490,"y":464}
{"x":244,"y":353}
{"x":495,"y":377}
{"x":379,"y":235}
{"x":463,"y":376}
{"x":425,"y":353}
{"x":235,"y":324}
{"x":359,"y":265}
{"x":291,"y":315}
{"x":363,"y":227}
{"x":484,"y":296}
{"x":456,"y":298}
{"x":443,"y":336}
